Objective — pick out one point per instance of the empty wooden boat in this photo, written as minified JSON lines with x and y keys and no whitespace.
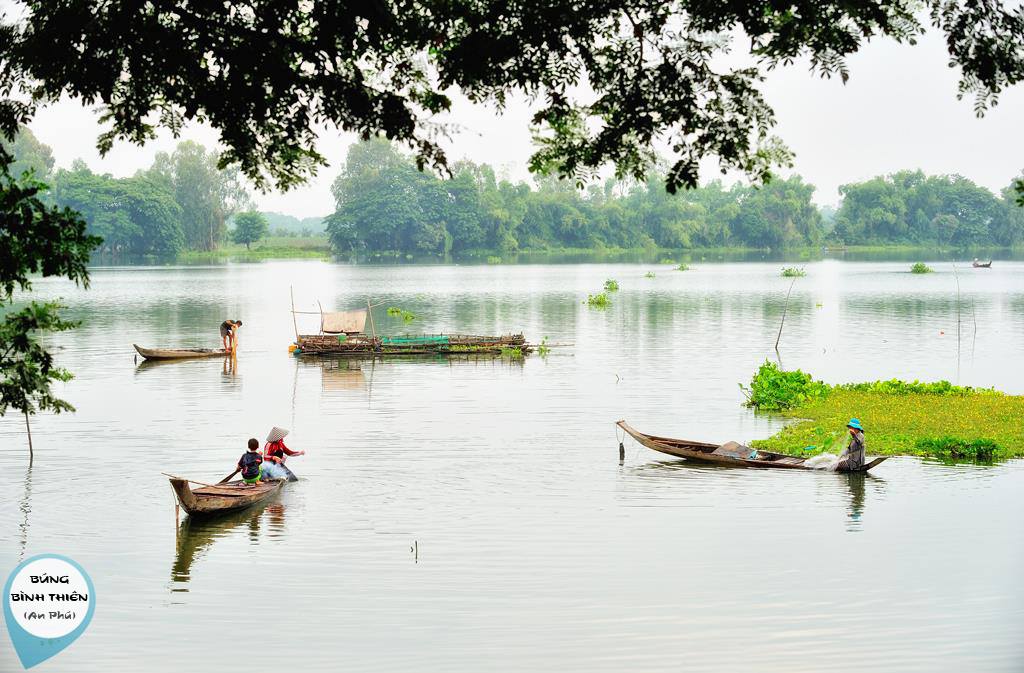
{"x":982,"y":265}
{"x":730,"y":453}
{"x":217,"y":498}
{"x":179,"y":353}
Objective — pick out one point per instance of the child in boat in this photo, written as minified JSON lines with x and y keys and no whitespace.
{"x":251,"y":463}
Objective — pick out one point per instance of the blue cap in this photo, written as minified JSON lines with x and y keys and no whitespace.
{"x":855,"y":424}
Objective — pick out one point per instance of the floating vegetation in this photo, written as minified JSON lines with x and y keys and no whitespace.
{"x":954,"y":448}
{"x":406,"y":316}
{"x":683,"y":267}
{"x":493,"y":259}
{"x":667,"y":261}
{"x":598,"y":300}
{"x":511,"y":352}
{"x":543,"y":349}
{"x":649,"y":274}
{"x":939,"y":419}
{"x":773,"y":389}
{"x":793,"y":272}
{"x":470,"y":348}
{"x":921,"y":267}
{"x":611,"y":285}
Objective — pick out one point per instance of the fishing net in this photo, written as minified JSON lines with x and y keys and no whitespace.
{"x":825,"y":461}
{"x":425,"y":340}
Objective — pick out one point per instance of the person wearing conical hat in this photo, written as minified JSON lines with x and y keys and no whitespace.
{"x":852,"y":457}
{"x":275,"y":451}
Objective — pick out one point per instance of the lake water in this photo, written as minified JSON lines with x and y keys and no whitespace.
{"x":472,"y":515}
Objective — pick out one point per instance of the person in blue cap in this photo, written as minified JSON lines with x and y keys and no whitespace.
{"x":852,"y":457}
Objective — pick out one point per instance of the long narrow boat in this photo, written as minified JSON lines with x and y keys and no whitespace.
{"x":730,"y":453}
{"x":178,"y":353}
{"x":227,"y":497}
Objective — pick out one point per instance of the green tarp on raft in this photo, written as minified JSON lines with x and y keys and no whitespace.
{"x":415,"y":340}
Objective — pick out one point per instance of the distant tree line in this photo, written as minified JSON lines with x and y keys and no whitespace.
{"x":383,"y":203}
{"x":182,"y":202}
{"x":910,"y":207}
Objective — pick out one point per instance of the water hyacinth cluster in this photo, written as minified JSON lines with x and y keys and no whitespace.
{"x":954,"y":448}
{"x":406,"y":316}
{"x":773,"y":389}
{"x":921,"y":267}
{"x":939,"y":419}
{"x":793,"y":272}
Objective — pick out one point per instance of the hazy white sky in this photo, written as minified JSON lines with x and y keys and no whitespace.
{"x":899,"y":110}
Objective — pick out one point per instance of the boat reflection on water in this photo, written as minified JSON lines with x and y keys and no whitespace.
{"x":197,"y":364}
{"x":707,"y":481}
{"x":195,"y":535}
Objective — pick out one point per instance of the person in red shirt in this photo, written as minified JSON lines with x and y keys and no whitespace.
{"x":275,"y":451}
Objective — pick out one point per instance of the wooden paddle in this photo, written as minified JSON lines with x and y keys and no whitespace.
{"x":228,"y":478}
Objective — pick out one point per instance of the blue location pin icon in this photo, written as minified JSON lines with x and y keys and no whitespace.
{"x":48,"y":603}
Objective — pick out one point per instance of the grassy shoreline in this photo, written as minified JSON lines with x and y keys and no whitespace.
{"x":319,"y":247}
{"x":277,"y":247}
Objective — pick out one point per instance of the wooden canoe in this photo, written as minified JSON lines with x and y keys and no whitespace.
{"x":724,"y":454}
{"x":179,"y":353}
{"x":228,"y":497}
{"x":982,"y":265}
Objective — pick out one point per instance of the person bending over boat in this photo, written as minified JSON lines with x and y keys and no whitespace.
{"x":251,"y":463}
{"x":852,"y":457}
{"x":228,"y":333}
{"x":275,"y":451}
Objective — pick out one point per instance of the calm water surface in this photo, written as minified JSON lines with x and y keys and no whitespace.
{"x":473,"y":515}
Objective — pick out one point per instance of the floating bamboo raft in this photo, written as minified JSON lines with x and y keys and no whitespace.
{"x":363,"y":345}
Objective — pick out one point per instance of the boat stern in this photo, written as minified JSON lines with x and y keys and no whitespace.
{"x":183,"y":493}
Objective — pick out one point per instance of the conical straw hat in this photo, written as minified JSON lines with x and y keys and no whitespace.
{"x":277,"y":434}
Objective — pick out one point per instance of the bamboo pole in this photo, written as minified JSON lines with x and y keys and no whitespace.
{"x":295,"y":323}
{"x":191,"y":481}
{"x":369,"y":314}
{"x":785,"y":309}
